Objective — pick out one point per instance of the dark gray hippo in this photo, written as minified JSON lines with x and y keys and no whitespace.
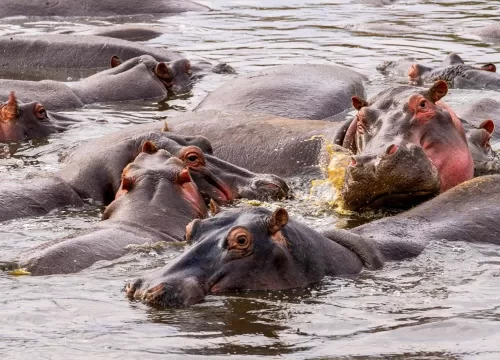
{"x":452,"y":69}
{"x":258,"y":142}
{"x":305,"y":91}
{"x":256,"y":249}
{"x":95,"y":7}
{"x":57,"y":56}
{"x":408,"y":147}
{"x":489,"y":33}
{"x":477,"y":112}
{"x":94,"y":169}
{"x":36,"y":196}
{"x":127,"y":32}
{"x":156,"y":200}
{"x":139,"y":78}
{"x":20,"y":121}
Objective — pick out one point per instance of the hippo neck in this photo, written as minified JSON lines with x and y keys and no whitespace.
{"x":162,"y":211}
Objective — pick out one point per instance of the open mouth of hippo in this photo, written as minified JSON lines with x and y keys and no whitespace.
{"x":193,"y":196}
{"x":217,"y":191}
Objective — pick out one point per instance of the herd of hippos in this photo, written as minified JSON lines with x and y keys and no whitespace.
{"x":246,"y":139}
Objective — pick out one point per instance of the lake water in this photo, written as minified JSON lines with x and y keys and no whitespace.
{"x":442,"y":305}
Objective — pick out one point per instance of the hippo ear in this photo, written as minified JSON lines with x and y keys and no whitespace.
{"x":489,"y":67}
{"x":162,"y":71}
{"x":214,"y":207}
{"x":278,"y":220}
{"x":358,"y":102}
{"x":165,"y":127}
{"x":488,"y":125}
{"x":115,"y":61}
{"x":9,"y":111}
{"x":438,"y":90}
{"x":149,"y":148}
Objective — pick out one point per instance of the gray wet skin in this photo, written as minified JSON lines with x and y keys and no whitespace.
{"x":305,"y":91}
{"x":452,"y":69}
{"x":94,"y":169}
{"x":137,"y":79}
{"x":407,"y":148}
{"x":251,"y":249}
{"x":156,"y":200}
{"x":255,"y":249}
{"x":95,"y":7}
{"x":20,"y":121}
{"x":260,"y":143}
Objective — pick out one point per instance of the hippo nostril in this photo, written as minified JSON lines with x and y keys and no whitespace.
{"x":391,"y":149}
{"x":353,"y":162}
{"x":131,"y":288}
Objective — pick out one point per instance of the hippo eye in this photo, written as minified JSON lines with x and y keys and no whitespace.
{"x":239,"y":239}
{"x":422,"y":104}
{"x":193,"y":157}
{"x":40,"y":112}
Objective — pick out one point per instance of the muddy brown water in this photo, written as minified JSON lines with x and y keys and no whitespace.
{"x":442,"y":305}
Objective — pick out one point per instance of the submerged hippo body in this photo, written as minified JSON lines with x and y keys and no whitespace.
{"x":156,"y":200}
{"x":258,"y":250}
{"x":294,"y":91}
{"x":408,"y":147}
{"x":57,"y":56}
{"x":27,"y":121}
{"x":127,"y":32}
{"x":95,"y":7}
{"x":490,"y":33}
{"x":250,"y":249}
{"x":258,"y":142}
{"x":94,"y":169}
{"x":452,"y":69}
{"x":136,"y":79}
{"x":34,"y":197}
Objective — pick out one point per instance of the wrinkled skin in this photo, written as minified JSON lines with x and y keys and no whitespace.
{"x":407,"y":148}
{"x":95,"y":7}
{"x":156,"y":200}
{"x":137,"y":79}
{"x":260,"y":143}
{"x":468,"y":212}
{"x":57,"y":56}
{"x":295,"y":91}
{"x":27,"y":121}
{"x":241,"y":249}
{"x":250,"y":249}
{"x":35,"y":197}
{"x":452,"y":69}
{"x":94,"y":169}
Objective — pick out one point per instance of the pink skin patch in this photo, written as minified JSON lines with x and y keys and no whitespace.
{"x":449,"y":154}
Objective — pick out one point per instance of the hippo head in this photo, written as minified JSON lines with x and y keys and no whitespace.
{"x":156,"y":174}
{"x":234,"y":250}
{"x":220,"y":180}
{"x":24,"y":121}
{"x":175,"y":76}
{"x":485,"y":159}
{"x":407,"y":147}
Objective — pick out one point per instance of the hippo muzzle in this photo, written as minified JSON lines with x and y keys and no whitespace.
{"x":399,"y":178}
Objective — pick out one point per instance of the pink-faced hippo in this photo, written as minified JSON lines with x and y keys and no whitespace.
{"x":257,"y":249}
{"x":408,"y":147}
{"x":156,"y":200}
{"x":304,"y":91}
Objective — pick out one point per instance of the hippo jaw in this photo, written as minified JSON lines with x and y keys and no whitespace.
{"x":397,"y":180}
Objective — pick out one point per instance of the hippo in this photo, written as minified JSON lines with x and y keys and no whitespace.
{"x":156,"y":200}
{"x":407,"y":148}
{"x":453,"y":70}
{"x":478,"y":111}
{"x":486,"y":161}
{"x":304,"y":91}
{"x":94,"y":169}
{"x":490,"y":33}
{"x":256,"y":249}
{"x":36,"y":196}
{"x":20,"y":121}
{"x":258,"y":142}
{"x":127,"y":32}
{"x":137,"y":79}
{"x":57,"y":56}
{"x":251,"y":249}
{"x":95,"y":8}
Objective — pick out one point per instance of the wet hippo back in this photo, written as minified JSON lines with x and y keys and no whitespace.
{"x":95,"y":7}
{"x":295,"y":91}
